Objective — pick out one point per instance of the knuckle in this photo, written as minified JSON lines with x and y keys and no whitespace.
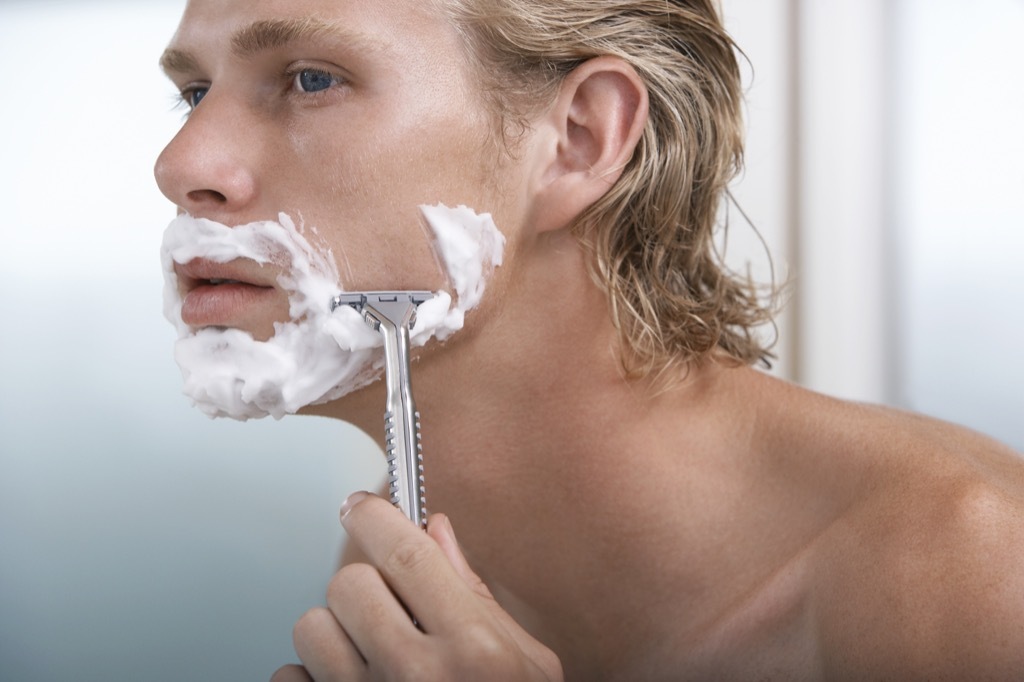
{"x":484,"y":647}
{"x":350,"y":578}
{"x":311,"y":622}
{"x":407,"y":557}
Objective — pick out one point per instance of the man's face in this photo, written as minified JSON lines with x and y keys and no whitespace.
{"x":346,"y":115}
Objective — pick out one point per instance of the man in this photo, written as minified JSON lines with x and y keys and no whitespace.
{"x":633,"y":500}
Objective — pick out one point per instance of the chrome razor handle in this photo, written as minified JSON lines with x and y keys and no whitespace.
{"x":401,"y":421}
{"x":393,"y":314}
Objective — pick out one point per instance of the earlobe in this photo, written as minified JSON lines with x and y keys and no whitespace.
{"x":598,"y":118}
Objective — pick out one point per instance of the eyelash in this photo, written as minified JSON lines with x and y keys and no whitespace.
{"x":185,"y":97}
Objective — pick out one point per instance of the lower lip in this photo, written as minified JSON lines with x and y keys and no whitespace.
{"x":223,"y":305}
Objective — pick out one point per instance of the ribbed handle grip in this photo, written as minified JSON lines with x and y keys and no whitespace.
{"x":421,"y":484}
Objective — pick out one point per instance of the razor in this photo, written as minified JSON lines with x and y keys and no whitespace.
{"x":393,"y":314}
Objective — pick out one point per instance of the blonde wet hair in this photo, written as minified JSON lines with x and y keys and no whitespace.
{"x":652,"y":235}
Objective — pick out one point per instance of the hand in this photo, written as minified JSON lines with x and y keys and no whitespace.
{"x":367,"y":633}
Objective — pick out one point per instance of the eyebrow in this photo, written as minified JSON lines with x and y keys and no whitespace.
{"x":269,"y":34}
{"x":178,"y":61}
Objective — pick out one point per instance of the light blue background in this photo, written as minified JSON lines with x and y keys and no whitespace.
{"x":958,"y":211}
{"x":139,"y":540}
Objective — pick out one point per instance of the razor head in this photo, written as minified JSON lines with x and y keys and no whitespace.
{"x":396,"y":307}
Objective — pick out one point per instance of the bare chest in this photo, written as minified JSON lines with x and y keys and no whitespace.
{"x":767,"y":633}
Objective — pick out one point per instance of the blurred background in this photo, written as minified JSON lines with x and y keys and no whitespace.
{"x":140,"y":540}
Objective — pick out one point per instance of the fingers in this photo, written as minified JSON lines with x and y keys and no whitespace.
{"x":363,"y":622}
{"x":440,"y":529}
{"x":413,"y":564}
{"x":325,"y":649}
{"x":291,"y":673}
{"x":366,"y":631}
{"x":368,"y":612}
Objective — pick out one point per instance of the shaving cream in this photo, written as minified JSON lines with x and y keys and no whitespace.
{"x":318,"y":355}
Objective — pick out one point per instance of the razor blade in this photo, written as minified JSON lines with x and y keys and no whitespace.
{"x":393,"y":314}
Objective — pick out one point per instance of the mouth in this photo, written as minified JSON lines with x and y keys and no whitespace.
{"x":238,"y":293}
{"x":237,"y":271}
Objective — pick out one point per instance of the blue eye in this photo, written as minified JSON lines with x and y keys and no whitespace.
{"x":194,"y":96}
{"x":311,"y":80}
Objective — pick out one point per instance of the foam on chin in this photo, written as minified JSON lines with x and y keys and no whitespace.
{"x":317,"y":356}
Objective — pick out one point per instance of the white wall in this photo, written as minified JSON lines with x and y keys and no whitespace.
{"x":911,"y":189}
{"x":886,"y":162}
{"x":842,"y":274}
{"x":765,"y":190}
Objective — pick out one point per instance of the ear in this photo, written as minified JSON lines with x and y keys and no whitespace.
{"x":596,"y":122}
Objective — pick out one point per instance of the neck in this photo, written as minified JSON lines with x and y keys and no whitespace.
{"x":550,"y":463}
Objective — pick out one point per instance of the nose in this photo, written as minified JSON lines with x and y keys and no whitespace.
{"x":208,"y":168}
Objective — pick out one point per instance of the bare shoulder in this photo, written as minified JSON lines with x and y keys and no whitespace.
{"x":924,"y":575}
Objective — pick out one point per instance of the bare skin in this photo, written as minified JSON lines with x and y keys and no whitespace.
{"x":732,"y":527}
{"x":858,"y":542}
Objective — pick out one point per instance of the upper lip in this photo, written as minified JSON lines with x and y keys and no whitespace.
{"x":200,"y":271}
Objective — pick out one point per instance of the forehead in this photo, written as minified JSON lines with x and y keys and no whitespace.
{"x":249,"y":26}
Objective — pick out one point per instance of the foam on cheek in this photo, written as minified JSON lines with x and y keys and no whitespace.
{"x":317,"y":356}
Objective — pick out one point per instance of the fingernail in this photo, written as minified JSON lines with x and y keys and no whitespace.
{"x":448,"y":525}
{"x":353,"y":499}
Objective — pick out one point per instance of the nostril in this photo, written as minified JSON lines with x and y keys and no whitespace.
{"x":207,"y":195}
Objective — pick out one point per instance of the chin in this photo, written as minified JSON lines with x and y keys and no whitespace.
{"x":363,"y":408}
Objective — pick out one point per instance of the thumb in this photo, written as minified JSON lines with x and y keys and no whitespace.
{"x":440,"y":529}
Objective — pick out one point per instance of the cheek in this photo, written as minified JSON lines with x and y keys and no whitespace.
{"x":387,"y":173}
{"x":361,"y":186}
